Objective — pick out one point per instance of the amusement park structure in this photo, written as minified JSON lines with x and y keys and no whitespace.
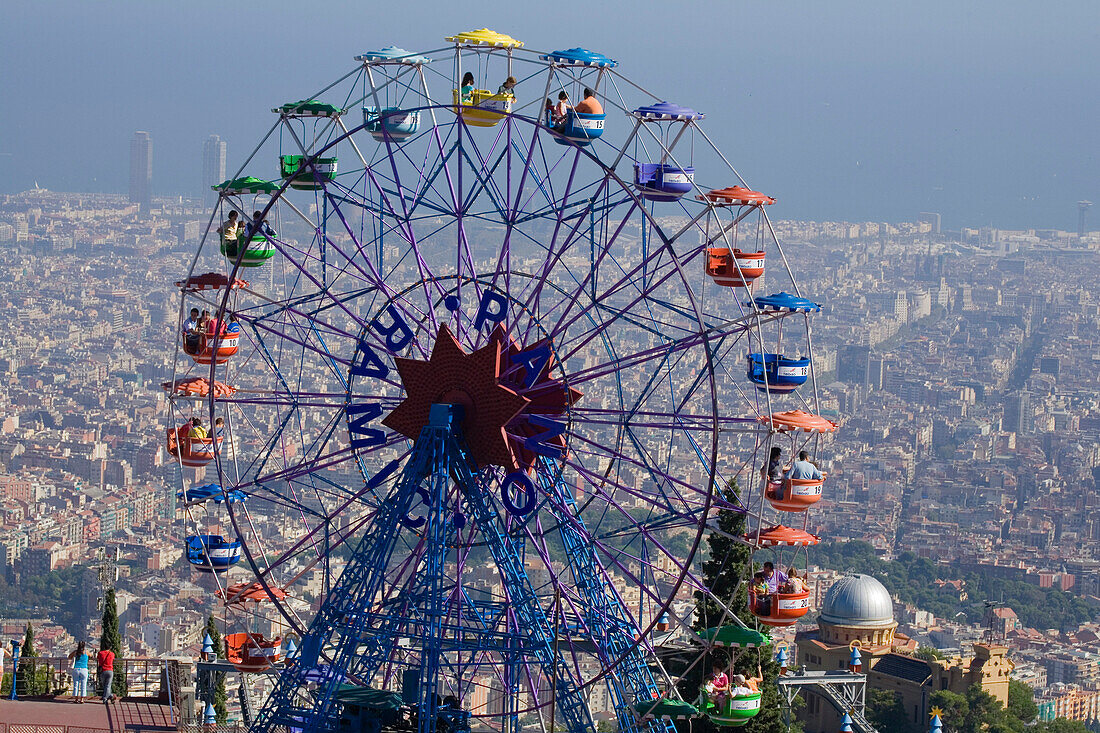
{"x":459,"y":391}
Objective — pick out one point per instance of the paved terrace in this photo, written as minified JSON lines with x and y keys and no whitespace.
{"x":157,"y":691}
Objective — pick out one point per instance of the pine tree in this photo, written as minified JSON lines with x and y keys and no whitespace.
{"x":726,"y":573}
{"x":220,"y":696}
{"x":112,"y":639}
{"x":28,"y":665}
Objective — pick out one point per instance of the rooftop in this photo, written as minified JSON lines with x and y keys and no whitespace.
{"x":91,"y":717}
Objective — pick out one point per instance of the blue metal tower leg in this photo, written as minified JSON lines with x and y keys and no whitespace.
{"x":607,"y":620}
{"x":339,"y":630}
{"x":532,"y":615}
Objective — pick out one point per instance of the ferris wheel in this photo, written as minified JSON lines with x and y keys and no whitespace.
{"x":472,"y":386}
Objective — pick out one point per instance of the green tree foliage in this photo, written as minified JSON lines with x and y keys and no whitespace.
{"x":218,"y":694}
{"x":724,"y":573}
{"x":979,"y":712}
{"x":27,"y":649}
{"x":928,"y":653}
{"x":912,"y":580}
{"x":57,"y":594}
{"x":886,"y":712}
{"x":111,"y":639}
{"x":1061,"y":725}
{"x":33,"y":676}
{"x":1021,"y":701}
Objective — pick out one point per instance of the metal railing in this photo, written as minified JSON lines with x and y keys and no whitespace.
{"x":145,"y":678}
{"x":37,"y":728}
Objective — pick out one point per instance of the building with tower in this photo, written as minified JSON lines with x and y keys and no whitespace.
{"x":858,"y":612}
{"x":932,"y":219}
{"x":1017,"y":415}
{"x":853,"y":364}
{"x":141,"y":169}
{"x":213,"y":165}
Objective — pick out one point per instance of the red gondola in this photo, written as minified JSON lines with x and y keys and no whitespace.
{"x":798,"y":494}
{"x":722,"y":266}
{"x":252,"y":652}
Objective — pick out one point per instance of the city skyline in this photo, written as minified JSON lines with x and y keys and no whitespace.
{"x":845,"y":114}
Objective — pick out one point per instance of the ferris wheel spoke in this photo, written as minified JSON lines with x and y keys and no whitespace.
{"x":655,"y":420}
{"x":598,"y":451}
{"x":553,"y":258}
{"x":641,"y":296}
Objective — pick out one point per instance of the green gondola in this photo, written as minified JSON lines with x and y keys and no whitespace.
{"x":734,"y":711}
{"x":304,"y":177}
{"x":260,"y":249}
{"x":665,"y":708}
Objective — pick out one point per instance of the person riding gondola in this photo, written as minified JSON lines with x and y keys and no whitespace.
{"x":192,"y":334}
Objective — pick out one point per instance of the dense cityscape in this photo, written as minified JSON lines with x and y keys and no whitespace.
{"x":960,"y":364}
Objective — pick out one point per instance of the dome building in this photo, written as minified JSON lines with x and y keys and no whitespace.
{"x":857,"y":607}
{"x":857,"y":611}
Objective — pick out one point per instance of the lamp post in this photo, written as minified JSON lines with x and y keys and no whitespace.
{"x":14,"y":666}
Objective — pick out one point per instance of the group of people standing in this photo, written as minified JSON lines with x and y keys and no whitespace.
{"x":105,"y":672}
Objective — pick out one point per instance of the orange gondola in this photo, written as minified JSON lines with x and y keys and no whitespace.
{"x":197,"y":387}
{"x":780,"y":536}
{"x":798,"y":494}
{"x":252,"y":652}
{"x":734,"y":269}
{"x":736,"y":196}
{"x":254,"y":591}
{"x":780,"y":609}
{"x":793,"y":420}
{"x":192,"y":451}
{"x":227,"y":345}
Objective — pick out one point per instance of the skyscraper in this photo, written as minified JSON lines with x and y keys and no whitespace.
{"x":930,"y":218}
{"x":1017,"y":413}
{"x":141,"y":169}
{"x":213,"y":165}
{"x":853,"y":364}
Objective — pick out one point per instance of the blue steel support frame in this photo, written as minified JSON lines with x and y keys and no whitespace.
{"x":338,"y":633}
{"x":606,"y":618}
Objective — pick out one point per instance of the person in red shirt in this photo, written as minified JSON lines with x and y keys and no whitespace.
{"x":105,"y":662}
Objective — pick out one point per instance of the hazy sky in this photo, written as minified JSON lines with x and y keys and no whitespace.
{"x":984,"y":110}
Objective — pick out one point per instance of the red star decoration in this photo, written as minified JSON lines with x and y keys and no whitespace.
{"x":472,"y":380}
{"x":492,"y":388}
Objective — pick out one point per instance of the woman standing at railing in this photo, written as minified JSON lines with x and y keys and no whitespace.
{"x":79,"y":658}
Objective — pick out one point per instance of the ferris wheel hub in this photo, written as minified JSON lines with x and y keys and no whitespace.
{"x":451,"y":375}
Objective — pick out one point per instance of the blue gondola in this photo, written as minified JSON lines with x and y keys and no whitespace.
{"x":211,"y":553}
{"x":776,"y":373}
{"x":210,"y":492}
{"x":579,"y":128}
{"x":661,"y":182}
{"x":395,"y":122}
